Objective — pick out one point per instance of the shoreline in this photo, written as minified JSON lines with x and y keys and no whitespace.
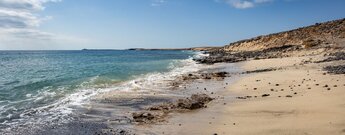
{"x":287,"y":107}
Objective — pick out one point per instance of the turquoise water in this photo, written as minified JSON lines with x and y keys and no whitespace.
{"x":32,"y":80}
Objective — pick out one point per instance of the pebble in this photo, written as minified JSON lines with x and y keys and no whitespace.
{"x":265,"y":95}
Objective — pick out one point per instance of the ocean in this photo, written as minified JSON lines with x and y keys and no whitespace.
{"x":43,"y":86}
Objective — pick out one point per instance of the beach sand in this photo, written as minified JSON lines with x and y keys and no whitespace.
{"x":302,"y":100}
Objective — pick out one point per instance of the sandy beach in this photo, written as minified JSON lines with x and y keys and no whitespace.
{"x":284,"y":83}
{"x":296,"y":99}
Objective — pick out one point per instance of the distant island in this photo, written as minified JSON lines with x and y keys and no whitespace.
{"x":158,"y":49}
{"x":177,"y":49}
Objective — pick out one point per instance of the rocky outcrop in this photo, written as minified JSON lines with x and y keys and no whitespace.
{"x":333,"y":57}
{"x":158,"y":112}
{"x":232,"y":57}
{"x":306,"y":36}
{"x":321,"y":38}
{"x":340,"y":69}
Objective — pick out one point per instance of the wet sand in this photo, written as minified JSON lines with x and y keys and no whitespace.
{"x":299,"y":98}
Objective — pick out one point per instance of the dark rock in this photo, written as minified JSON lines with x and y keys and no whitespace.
{"x":259,"y":71}
{"x":333,"y":57}
{"x":289,"y":96}
{"x":142,"y":117}
{"x":241,"y":97}
{"x":195,"y":102}
{"x":265,"y":95}
{"x":335,"y":69}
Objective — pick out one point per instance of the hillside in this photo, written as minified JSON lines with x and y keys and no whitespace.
{"x":321,"y":38}
{"x":321,"y":33}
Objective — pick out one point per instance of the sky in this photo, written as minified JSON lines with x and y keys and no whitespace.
{"x":121,"y":24}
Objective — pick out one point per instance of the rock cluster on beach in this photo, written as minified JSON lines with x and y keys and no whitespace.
{"x":336,"y":69}
{"x":333,"y":57}
{"x":157,"y":112}
{"x":205,"y":75}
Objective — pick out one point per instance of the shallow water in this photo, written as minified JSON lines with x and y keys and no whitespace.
{"x":44,"y":86}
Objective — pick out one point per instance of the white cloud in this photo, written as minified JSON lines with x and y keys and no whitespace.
{"x":19,"y":18}
{"x":19,"y":25}
{"x":27,"y":5}
{"x":244,"y":4}
{"x":241,"y":4}
{"x":18,"y":38}
{"x":156,"y":3}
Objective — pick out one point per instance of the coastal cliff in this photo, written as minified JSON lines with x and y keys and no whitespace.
{"x":320,"y":33}
{"x":321,"y":38}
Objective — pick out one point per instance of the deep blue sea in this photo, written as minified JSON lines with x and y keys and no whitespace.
{"x":36,"y":83}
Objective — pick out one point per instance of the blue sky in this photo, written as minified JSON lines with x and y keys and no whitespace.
{"x":120,"y":24}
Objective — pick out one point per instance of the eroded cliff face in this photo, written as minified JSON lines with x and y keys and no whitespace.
{"x":321,"y":33}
